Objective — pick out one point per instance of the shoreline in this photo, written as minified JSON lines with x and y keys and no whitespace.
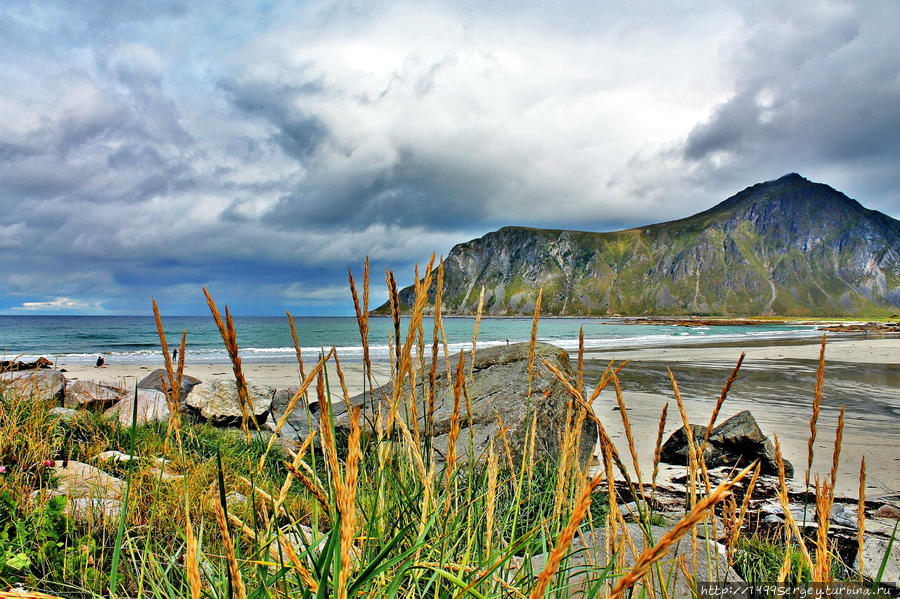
{"x":776,"y":384}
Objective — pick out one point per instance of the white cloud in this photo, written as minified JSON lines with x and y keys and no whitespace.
{"x":61,"y":305}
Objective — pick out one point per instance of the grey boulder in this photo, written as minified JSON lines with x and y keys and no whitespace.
{"x":158,"y":380}
{"x":498,"y":393}
{"x":736,"y":442}
{"x":151,"y":406}
{"x":218,"y":404}
{"x":45,"y":384}
{"x":92,"y":395}
{"x":875,"y":552}
{"x":588,"y":557}
{"x":299,"y":418}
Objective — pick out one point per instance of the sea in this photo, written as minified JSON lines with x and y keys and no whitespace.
{"x":134,"y":339}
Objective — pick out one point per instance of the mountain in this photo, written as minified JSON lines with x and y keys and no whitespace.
{"x":783,"y":247}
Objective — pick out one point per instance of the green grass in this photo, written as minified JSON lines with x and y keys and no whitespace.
{"x":382,"y":536}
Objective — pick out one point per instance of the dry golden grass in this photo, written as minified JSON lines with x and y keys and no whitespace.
{"x":533,"y":340}
{"x":861,"y":513}
{"x":817,"y":402}
{"x":234,"y":568}
{"x":657,"y":452}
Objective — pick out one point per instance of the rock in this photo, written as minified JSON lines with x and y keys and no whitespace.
{"x":888,"y":511}
{"x":589,"y":549}
{"x":89,"y":510}
{"x":161,"y":469}
{"x":158,"y":380}
{"x":874,"y":551}
{"x":736,"y":442}
{"x":64,"y":414}
{"x":843,"y":516}
{"x":297,"y":426}
{"x":78,"y":479}
{"x":499,"y":387}
{"x":152,"y":406}
{"x":218,"y":404}
{"x":115,"y":456}
{"x":13,"y":366}
{"x":840,"y":515}
{"x":91,"y":395}
{"x":48,"y":384}
{"x":235,"y":501}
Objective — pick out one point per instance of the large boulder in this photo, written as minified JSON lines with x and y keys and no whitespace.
{"x":151,"y":406}
{"x":299,"y":419}
{"x":158,"y":380}
{"x":736,"y":442}
{"x":92,"y":395}
{"x":875,"y":553}
{"x":48,"y":384}
{"x":77,"y":479}
{"x":588,"y":557}
{"x":218,"y":403}
{"x":499,"y":387}
{"x":91,"y":494}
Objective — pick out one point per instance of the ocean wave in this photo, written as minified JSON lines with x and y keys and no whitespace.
{"x":380,"y":352}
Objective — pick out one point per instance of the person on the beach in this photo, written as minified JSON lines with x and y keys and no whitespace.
{"x":100,"y":361}
{"x":174,"y":354}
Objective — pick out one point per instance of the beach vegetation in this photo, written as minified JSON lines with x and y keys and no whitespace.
{"x":375,"y":509}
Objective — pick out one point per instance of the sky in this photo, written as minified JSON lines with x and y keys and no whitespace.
{"x":148,"y":149}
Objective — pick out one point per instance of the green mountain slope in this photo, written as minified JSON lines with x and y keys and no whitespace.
{"x":784,"y":247}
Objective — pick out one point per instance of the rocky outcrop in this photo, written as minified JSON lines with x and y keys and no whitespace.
{"x":498,"y":393}
{"x":788,"y":246}
{"x":588,"y":555}
{"x":151,"y":406}
{"x":158,"y":380}
{"x":736,"y":442}
{"x":217,"y":402}
{"x":92,"y":395}
{"x":47,"y":384}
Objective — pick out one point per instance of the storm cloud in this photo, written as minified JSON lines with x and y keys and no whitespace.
{"x":261,"y":151}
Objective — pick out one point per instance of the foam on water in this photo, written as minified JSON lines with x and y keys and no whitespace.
{"x":285,"y":354}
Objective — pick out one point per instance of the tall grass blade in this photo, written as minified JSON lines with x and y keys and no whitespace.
{"x":117,"y":550}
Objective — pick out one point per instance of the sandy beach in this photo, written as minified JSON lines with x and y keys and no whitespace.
{"x":776,"y":384}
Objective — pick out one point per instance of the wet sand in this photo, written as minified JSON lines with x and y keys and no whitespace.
{"x":776,"y":384}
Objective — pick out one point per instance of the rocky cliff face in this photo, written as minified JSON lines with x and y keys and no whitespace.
{"x":789,"y":246}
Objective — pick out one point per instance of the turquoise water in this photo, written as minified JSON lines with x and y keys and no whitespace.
{"x":133,"y":339}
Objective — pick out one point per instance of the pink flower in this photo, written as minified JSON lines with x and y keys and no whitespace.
{"x":49,"y":463}
{"x":2,"y":469}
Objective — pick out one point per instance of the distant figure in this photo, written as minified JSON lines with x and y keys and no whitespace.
{"x":174,"y":354}
{"x":507,"y":342}
{"x":100,"y":361}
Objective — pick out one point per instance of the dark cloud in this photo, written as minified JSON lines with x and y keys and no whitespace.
{"x":260,"y":149}
{"x":821,"y":97}
{"x":414,"y":190}
{"x":298,"y":134}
